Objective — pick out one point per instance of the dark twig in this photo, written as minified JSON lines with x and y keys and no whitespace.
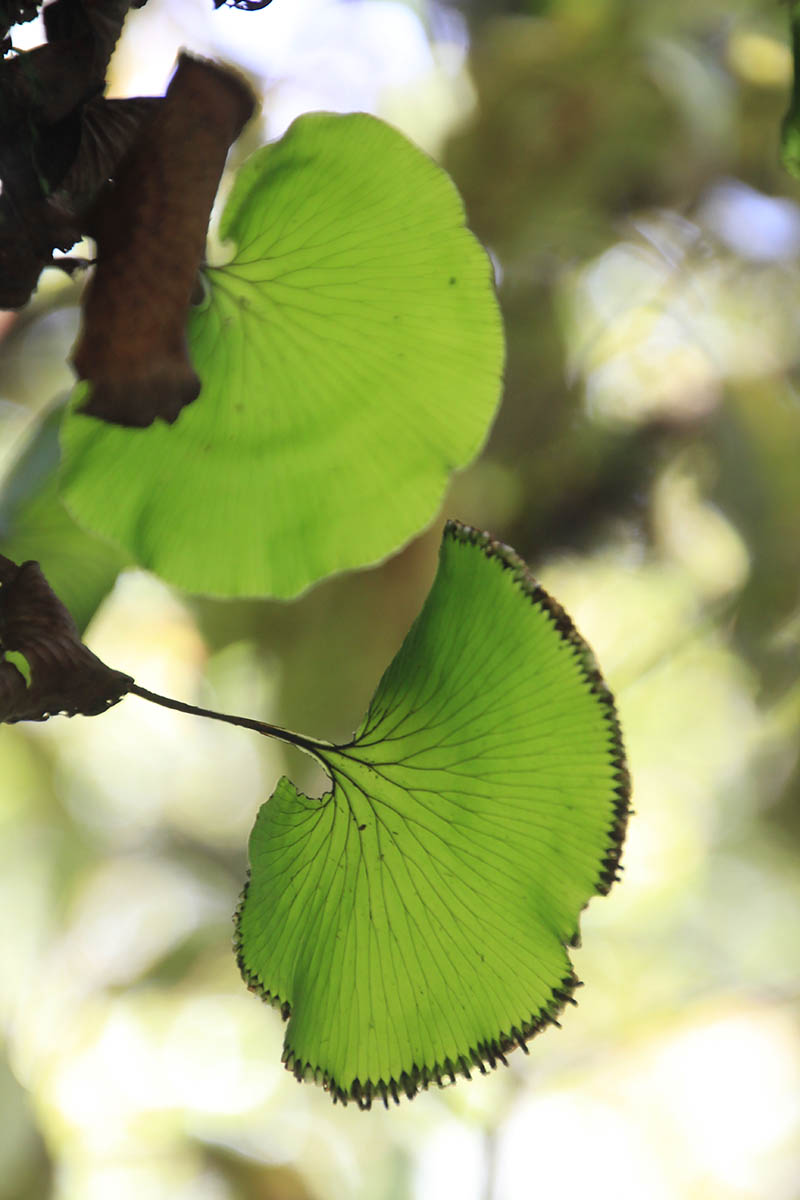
{"x":310,"y":745}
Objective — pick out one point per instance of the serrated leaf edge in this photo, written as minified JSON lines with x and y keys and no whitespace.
{"x":487,"y":1053}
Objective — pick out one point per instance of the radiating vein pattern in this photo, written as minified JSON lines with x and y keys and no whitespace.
{"x":413,"y":923}
{"x":351,"y":356}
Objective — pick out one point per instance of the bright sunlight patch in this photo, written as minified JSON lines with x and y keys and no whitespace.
{"x":412,"y":923}
{"x":350,"y":355}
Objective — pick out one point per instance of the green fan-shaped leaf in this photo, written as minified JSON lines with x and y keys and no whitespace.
{"x":412,"y":923}
{"x":350,"y":353}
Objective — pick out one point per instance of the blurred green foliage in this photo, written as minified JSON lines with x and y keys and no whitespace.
{"x":621,"y":161}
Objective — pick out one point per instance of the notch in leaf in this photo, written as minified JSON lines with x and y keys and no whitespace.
{"x":45,"y":668}
{"x":412,"y":924}
{"x":150,"y":227}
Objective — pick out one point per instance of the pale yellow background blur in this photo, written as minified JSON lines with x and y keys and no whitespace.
{"x":621,"y":162}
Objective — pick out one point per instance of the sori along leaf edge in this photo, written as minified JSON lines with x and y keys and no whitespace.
{"x":488,"y":1050}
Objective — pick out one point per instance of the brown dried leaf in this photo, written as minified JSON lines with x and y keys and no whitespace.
{"x":43,"y":95}
{"x":65,"y":676}
{"x":109,"y":130}
{"x":150,"y":228}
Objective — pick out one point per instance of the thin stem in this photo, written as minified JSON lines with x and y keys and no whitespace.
{"x":310,"y":745}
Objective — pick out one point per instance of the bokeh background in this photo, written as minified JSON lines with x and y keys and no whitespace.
{"x":620,"y":161}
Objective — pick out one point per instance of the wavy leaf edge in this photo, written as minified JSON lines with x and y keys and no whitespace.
{"x":491,"y":1052}
{"x":96,"y":457}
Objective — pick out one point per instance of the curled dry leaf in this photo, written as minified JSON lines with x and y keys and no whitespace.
{"x":109,"y":128}
{"x":44,"y":93}
{"x":65,"y":677}
{"x":150,"y":228}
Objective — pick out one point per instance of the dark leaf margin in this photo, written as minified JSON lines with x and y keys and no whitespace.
{"x":530,"y":587}
{"x":487,"y":1054}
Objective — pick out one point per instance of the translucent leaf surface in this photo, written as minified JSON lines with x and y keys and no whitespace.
{"x":35,"y":525}
{"x":350,"y":354}
{"x":412,"y":923}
